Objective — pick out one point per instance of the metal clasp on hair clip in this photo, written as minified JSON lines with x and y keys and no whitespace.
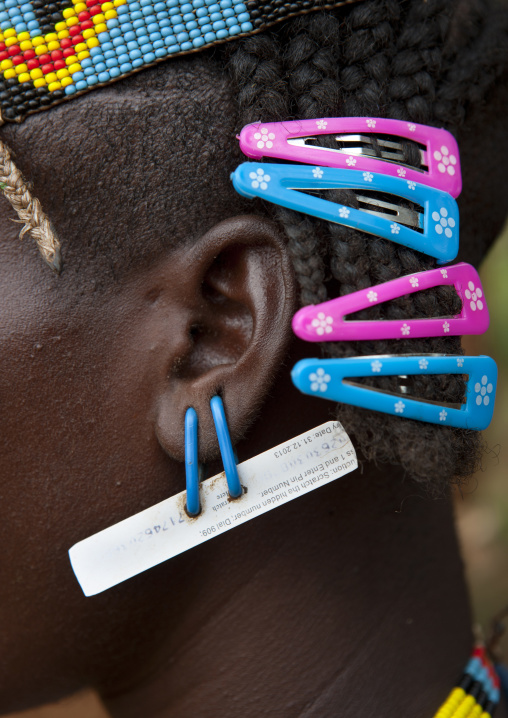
{"x":364,"y":143}
{"x":326,"y":321}
{"x":333,"y":379}
{"x":433,"y":230}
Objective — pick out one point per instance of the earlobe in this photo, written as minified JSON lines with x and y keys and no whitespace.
{"x":238,"y":297}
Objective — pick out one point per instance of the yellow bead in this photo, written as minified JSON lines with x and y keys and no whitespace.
{"x":60,"y":26}
{"x":10,"y":32}
{"x":9,"y":74}
{"x":102,"y":27}
{"x":97,"y":19}
{"x":92,"y":42}
{"x":83,"y":54}
{"x":69,"y":12}
{"x":63,"y":34}
{"x":465,"y":707}
{"x":64,"y":72}
{"x":41,"y":49}
{"x":76,"y":67}
{"x":24,"y":77}
{"x":117,"y":3}
{"x":6,"y":64}
{"x":110,"y":14}
{"x":40,"y":82}
{"x":51,"y":77}
{"x":53,"y":45}
{"x":36,"y":41}
{"x":107,"y":6}
{"x":23,"y":36}
{"x":72,"y":60}
{"x":25,"y":45}
{"x":51,"y":37}
{"x":80,"y":7}
{"x":10,"y":41}
{"x":477,"y":711}
{"x":87,"y":34}
{"x":54,"y":85}
{"x":20,"y":69}
{"x":36,"y":73}
{"x":73,"y":20}
{"x":66,"y":81}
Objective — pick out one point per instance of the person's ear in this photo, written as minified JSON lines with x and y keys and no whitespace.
{"x":227,"y":320}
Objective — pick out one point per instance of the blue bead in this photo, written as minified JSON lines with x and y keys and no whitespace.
{"x":4,"y":16}
{"x":159,"y":6}
{"x":138,"y":62}
{"x":111,"y":55}
{"x":70,"y":90}
{"x":243,"y":17}
{"x":33,"y":25}
{"x":189,"y":16}
{"x":112,"y":62}
{"x":210,"y":37}
{"x":186,"y":7}
{"x":89,"y":71}
{"x":167,"y":32}
{"x":162,"y":16}
{"x":198,"y":3}
{"x":182,"y":37}
{"x":172,"y":3}
{"x":104,"y":77}
{"x":220,"y":25}
{"x":174,"y":48}
{"x":95,"y":51}
{"x":116,"y":33}
{"x":141,"y":29}
{"x":198,"y":42}
{"x":228,"y":12}
{"x":165,"y":23}
{"x":26,"y":7}
{"x":145,"y":48}
{"x":157,"y":44}
{"x":21,"y":27}
{"x":150,"y":18}
{"x":118,"y":42}
{"x":125,"y":67}
{"x":136,"y":16}
{"x":115,"y":72}
{"x":77,"y":76}
{"x":112,"y":22}
{"x":147,"y":11}
{"x":179,"y":28}
{"x":133,"y":6}
{"x":11,"y":3}
{"x":202,"y":12}
{"x":175,"y":12}
{"x":132,"y":45}
{"x":154,"y":36}
{"x":214,"y":16}
{"x":130,"y":36}
{"x":221,"y":34}
{"x":34,"y":31}
{"x":206,"y":28}
{"x":187,"y":46}
{"x":125,"y":26}
{"x":225,"y":4}
{"x":194,"y":33}
{"x":92,"y":80}
{"x":123,"y":58}
{"x":82,"y":85}
{"x":240,"y":7}
{"x":87,"y":62}
{"x":152,"y":27}
{"x":231,"y":21}
{"x":107,"y":47}
{"x":134,"y":54}
{"x":122,"y":10}
{"x":234,"y":30}
{"x":6,"y":24}
{"x":191,"y":25}
{"x":246,"y":27}
{"x":100,"y":67}
{"x":149,"y":57}
{"x":214,"y":8}
{"x":161,"y":52}
{"x":29,"y":17}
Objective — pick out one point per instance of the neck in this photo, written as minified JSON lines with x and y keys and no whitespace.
{"x":351,"y":597}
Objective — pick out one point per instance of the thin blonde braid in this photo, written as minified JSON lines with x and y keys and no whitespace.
{"x":29,"y":210}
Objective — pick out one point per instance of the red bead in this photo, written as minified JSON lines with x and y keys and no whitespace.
{"x":18,"y":59}
{"x":69,"y":51}
{"x":47,"y":68}
{"x":56,"y":55}
{"x":74,"y":30}
{"x":29,"y":54}
{"x":82,"y":16}
{"x":65,"y":42}
{"x":91,"y":3}
{"x":77,"y":39}
{"x":59,"y":64}
{"x":4,"y":55}
{"x":95,"y":10}
{"x":2,"y":46}
{"x":44,"y":59}
{"x":86,"y":25}
{"x":32,"y":64}
{"x":14,"y":50}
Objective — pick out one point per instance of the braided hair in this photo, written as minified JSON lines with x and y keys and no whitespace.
{"x":414,"y":62}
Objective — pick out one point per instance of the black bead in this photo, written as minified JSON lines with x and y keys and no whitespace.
{"x":9,"y":113}
{"x":34,"y":104}
{"x":46,"y":100}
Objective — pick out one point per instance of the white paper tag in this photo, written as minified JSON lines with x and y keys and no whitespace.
{"x":157,"y":534}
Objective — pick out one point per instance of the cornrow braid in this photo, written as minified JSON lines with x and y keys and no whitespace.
{"x":378,"y":58}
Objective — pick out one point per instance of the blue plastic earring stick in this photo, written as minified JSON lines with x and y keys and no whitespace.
{"x":327,"y":378}
{"x":226,"y":447}
{"x":191,"y":462}
{"x":434,"y":232}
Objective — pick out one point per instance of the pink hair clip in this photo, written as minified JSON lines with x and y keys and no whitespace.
{"x":364,"y":143}
{"x":326,"y":321}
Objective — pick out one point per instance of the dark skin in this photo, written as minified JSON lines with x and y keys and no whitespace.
{"x":350,"y":601}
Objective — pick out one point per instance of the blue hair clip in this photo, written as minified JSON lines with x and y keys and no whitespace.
{"x":193,"y":504}
{"x":226,"y":448}
{"x":434,"y":230}
{"x":326,"y":378}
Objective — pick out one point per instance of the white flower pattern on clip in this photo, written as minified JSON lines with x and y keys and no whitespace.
{"x":423,"y":363}
{"x":483,"y":390}
{"x":395,"y":228}
{"x":344,"y":212}
{"x":321,"y":124}
{"x":264,"y":137}
{"x":446,"y":327}
{"x":444,"y":272}
{"x":411,"y":127}
{"x":371,"y":123}
{"x":401,"y":171}
{"x":322,"y":324}
{"x":411,"y":185}
{"x":317,"y":172}
{"x":460,"y":361}
{"x":351,"y":161}
{"x":376,"y":365}
{"x":413,"y":281}
{"x":372,"y":296}
{"x":405,"y":329}
{"x":445,"y":224}
{"x":319,"y":380}
{"x":446,"y":161}
{"x":399,"y":407}
{"x":259,"y":179}
{"x":442,"y":415}
{"x":368,"y":176}
{"x":474,"y":294}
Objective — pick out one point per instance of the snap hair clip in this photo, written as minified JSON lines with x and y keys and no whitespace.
{"x":226,"y":448}
{"x":432,"y":227}
{"x":327,"y":322}
{"x":363,"y":143}
{"x":193,"y":505}
{"x":334,"y":379}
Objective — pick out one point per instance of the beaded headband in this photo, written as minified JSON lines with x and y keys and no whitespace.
{"x":53,"y":51}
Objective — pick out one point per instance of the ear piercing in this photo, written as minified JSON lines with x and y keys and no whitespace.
{"x":193,"y":504}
